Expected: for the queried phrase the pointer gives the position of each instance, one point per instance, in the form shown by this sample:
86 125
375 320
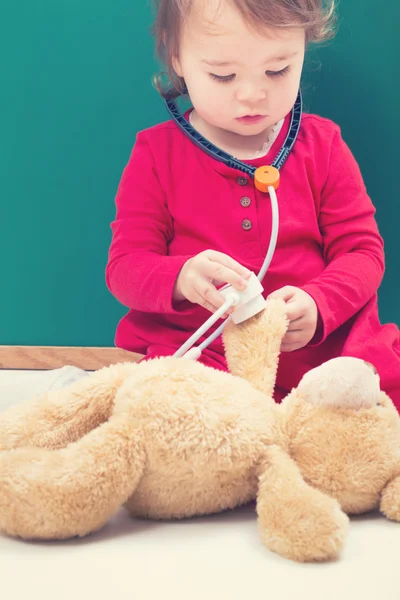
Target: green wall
75 89
356 82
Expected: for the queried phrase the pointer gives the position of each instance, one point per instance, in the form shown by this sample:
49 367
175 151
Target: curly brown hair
316 17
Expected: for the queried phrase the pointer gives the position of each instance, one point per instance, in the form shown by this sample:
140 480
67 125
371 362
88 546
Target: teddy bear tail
252 348
74 491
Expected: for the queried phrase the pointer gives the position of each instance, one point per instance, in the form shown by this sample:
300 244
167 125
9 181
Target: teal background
75 89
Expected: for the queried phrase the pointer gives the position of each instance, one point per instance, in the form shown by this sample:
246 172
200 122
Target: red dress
175 201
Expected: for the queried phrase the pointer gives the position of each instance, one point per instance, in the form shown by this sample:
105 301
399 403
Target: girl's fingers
207 296
224 260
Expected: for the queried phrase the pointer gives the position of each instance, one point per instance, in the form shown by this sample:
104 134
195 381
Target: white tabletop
218 557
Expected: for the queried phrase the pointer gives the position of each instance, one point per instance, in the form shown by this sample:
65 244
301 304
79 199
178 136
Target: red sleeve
353 247
139 272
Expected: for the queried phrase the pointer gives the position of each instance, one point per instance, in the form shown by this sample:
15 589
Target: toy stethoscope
266 180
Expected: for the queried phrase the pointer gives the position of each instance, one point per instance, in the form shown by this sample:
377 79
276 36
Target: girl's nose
251 93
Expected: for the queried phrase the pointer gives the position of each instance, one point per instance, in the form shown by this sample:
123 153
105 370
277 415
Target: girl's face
239 80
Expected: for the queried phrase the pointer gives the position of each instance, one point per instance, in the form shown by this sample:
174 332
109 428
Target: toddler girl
186 223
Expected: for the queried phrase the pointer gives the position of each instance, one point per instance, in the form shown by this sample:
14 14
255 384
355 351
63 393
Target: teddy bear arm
59 494
252 348
55 419
390 499
296 520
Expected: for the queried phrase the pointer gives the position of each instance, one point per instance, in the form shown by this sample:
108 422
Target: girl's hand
302 313
201 274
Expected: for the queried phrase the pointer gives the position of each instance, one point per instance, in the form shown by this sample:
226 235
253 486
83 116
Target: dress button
242 181
247 224
245 202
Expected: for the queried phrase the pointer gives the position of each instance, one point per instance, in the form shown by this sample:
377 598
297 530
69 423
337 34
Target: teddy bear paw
390 501
315 531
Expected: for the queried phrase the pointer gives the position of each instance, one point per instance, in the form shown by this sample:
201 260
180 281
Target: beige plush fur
172 438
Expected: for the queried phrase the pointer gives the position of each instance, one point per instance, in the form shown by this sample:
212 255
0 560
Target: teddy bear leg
60 417
295 520
390 500
252 348
60 494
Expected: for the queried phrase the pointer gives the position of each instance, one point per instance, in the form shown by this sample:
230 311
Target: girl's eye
222 78
278 73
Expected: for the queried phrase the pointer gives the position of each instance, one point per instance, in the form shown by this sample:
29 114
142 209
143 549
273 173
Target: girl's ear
176 65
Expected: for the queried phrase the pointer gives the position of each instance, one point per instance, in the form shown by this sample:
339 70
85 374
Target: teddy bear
171 438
